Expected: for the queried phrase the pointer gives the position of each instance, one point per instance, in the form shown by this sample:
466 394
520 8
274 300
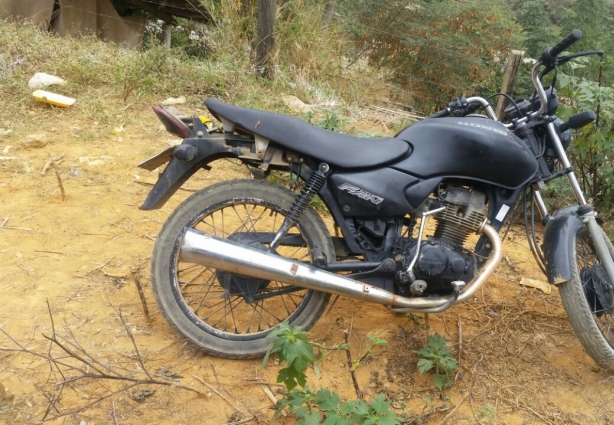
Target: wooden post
266 41
166 30
514 60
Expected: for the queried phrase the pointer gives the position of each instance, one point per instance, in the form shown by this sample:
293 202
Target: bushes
439 49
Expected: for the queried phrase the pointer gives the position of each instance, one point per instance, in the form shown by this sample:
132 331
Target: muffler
228 256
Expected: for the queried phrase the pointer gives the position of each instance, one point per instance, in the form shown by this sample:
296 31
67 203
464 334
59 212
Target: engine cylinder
464 214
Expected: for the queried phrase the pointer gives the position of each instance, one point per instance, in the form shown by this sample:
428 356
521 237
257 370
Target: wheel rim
231 306
596 286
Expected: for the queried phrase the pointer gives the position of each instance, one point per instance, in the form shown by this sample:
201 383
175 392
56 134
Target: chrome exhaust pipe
201 248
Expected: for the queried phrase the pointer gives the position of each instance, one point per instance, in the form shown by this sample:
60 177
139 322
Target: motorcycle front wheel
225 314
588 298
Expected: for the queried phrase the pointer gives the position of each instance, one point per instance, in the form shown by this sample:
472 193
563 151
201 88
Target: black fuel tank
472 147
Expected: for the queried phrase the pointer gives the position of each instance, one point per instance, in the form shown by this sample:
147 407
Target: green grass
114 85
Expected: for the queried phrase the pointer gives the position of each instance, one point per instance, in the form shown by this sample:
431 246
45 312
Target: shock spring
311 188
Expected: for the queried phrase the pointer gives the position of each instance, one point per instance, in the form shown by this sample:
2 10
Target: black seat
333 148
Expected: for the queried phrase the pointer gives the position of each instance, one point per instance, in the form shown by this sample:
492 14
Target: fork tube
575 186
540 203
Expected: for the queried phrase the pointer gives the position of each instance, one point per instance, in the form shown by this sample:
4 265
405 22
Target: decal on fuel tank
363 194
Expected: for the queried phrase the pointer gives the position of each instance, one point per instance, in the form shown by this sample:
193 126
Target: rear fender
558 243
178 171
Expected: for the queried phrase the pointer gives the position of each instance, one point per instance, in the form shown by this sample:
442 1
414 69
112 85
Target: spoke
249 325
193 266
232 314
269 312
209 282
283 301
225 302
262 309
243 223
197 275
297 250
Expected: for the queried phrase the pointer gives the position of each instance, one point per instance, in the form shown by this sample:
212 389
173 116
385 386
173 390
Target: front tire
587 298
225 314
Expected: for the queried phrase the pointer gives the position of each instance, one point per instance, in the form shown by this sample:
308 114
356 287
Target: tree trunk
329 10
266 40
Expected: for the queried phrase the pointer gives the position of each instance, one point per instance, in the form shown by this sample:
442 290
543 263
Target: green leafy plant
331 120
374 341
321 406
291 347
486 413
592 149
436 357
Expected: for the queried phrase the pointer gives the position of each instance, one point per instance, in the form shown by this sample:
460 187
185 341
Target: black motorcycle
239 257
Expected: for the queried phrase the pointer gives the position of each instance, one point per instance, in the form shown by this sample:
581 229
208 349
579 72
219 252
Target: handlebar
549 60
550 54
441 114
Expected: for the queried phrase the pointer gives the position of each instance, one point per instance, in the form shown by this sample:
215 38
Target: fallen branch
54 165
73 364
350 363
460 403
136 276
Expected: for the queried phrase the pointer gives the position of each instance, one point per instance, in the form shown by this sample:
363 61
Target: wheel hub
234 284
597 282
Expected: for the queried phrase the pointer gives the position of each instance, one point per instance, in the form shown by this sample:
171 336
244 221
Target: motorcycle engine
442 258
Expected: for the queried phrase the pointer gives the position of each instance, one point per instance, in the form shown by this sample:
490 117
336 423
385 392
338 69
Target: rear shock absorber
311 189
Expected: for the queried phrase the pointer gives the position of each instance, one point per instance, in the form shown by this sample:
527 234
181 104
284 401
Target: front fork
589 216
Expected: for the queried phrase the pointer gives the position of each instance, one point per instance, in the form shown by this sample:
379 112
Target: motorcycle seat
336 149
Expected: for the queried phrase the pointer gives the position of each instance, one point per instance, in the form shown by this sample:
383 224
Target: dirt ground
79 258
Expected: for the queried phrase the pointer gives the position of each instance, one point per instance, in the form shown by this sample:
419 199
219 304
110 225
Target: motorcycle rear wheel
584 297
225 314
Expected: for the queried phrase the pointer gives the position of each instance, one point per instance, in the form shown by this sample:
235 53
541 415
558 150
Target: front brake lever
564 59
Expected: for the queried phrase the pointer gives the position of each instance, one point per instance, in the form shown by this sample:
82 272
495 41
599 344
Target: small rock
35 141
166 372
95 162
141 394
295 104
5 132
174 142
173 101
545 287
41 80
5 395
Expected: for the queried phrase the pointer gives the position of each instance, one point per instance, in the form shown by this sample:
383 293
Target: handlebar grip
550 54
441 114
578 121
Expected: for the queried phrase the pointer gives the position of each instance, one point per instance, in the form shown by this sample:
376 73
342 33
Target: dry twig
460 403
54 165
349 357
136 276
73 364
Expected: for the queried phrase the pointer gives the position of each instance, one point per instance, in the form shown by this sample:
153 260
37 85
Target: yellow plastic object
206 121
53 98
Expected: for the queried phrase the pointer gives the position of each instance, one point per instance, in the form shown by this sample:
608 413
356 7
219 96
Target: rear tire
224 314
583 297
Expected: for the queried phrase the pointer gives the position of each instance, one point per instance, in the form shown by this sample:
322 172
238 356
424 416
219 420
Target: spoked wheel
226 314
589 300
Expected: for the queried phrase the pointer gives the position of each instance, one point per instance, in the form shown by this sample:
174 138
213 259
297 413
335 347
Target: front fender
558 243
179 171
